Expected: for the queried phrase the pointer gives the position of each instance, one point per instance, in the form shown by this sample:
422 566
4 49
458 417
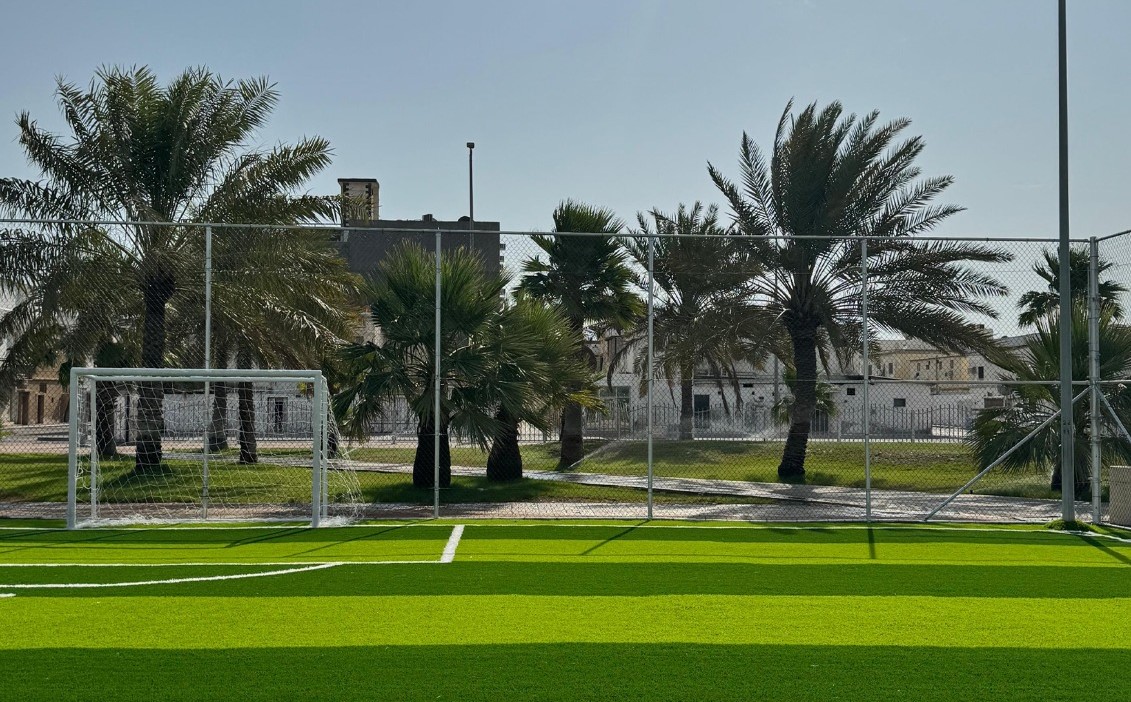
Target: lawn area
43 478
555 611
920 466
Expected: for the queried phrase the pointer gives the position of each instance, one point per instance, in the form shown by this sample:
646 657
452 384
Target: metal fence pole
651 359
73 450
436 406
207 365
1067 426
1094 372
866 375
319 462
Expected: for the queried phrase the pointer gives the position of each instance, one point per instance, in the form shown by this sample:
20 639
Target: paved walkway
809 502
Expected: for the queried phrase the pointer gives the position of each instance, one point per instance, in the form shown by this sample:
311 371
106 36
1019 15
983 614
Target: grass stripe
621 579
217 622
568 672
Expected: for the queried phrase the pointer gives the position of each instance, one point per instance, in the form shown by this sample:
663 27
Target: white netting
225 448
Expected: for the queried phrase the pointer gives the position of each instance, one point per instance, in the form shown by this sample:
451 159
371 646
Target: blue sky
624 103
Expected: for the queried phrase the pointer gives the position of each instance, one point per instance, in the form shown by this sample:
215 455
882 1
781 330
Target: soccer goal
165 445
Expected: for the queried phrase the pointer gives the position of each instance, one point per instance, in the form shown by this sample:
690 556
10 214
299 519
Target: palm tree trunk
157 289
424 463
218 424
105 439
249 452
573 443
572 426
505 460
804 338
687 403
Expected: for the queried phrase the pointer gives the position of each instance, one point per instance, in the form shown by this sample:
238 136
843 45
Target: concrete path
809 502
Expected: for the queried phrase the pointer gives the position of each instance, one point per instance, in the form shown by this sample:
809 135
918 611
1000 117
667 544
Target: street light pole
1067 426
471 194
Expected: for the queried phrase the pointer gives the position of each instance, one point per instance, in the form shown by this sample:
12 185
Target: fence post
436 399
651 359
867 373
207 366
1094 372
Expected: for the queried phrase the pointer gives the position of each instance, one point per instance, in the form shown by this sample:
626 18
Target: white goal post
189 445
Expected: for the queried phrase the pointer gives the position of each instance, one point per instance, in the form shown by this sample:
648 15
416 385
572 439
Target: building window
891 369
899 402
952 364
850 392
981 372
918 367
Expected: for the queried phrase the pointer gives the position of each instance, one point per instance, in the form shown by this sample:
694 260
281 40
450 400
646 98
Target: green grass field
564 611
926 467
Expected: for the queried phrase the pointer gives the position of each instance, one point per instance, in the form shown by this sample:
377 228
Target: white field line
449 554
170 581
218 564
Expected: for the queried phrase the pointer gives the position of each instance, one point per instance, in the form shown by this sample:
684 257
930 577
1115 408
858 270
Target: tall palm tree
998 429
66 315
831 181
541 360
401 364
281 298
588 277
147 154
701 314
1035 304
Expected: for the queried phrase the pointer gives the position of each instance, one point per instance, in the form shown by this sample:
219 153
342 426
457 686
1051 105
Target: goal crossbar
80 378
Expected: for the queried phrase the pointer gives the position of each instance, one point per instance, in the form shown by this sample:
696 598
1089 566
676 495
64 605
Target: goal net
194 445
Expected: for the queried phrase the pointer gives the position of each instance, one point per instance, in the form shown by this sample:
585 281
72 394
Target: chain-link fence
667 371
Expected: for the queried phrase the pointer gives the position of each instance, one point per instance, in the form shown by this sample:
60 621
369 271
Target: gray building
365 246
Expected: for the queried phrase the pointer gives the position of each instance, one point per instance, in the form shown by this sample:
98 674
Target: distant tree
831 180
702 314
1036 304
998 429
589 279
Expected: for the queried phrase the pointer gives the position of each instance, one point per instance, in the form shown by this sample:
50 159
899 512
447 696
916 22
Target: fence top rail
457 230
188 374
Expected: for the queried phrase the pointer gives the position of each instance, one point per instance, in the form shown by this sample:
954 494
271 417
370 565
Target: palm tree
831 181
541 359
999 429
588 278
1035 304
57 319
142 153
402 363
701 314
281 298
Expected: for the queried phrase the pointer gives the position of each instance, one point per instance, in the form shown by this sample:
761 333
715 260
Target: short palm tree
998 429
702 315
1036 304
831 181
140 152
401 364
541 360
588 278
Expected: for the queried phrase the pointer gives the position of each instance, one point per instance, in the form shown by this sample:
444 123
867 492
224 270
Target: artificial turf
570 612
